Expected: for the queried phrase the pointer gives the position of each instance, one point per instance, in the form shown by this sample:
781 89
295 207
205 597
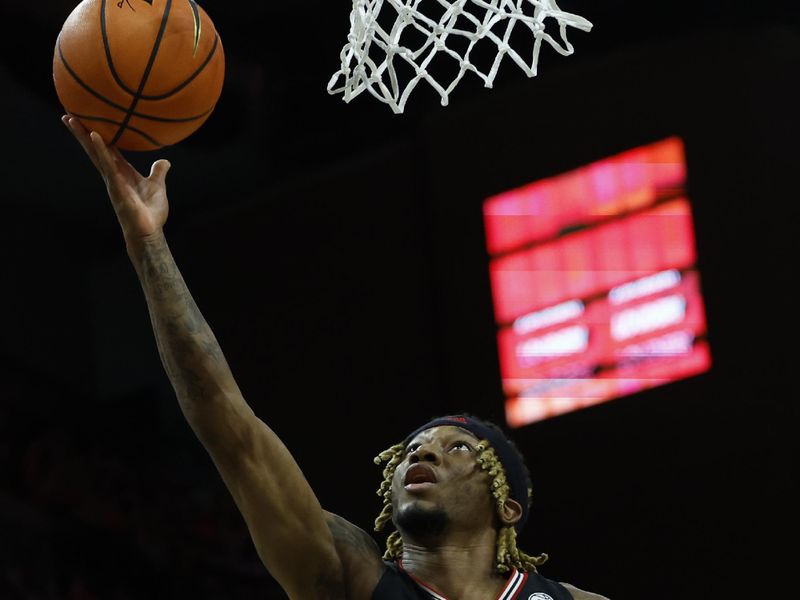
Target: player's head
457 471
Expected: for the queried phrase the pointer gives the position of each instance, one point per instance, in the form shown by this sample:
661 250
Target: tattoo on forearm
189 351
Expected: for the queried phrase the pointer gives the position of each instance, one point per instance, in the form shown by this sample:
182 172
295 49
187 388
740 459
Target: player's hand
139 202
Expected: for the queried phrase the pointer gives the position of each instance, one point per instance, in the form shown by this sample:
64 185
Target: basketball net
445 30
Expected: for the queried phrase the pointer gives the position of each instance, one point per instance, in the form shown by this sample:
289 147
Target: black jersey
397 584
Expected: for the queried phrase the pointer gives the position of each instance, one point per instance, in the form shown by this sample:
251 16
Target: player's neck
462 569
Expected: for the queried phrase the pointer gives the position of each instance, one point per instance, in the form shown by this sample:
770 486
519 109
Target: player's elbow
223 423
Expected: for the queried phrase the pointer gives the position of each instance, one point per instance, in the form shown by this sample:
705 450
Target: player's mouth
419 476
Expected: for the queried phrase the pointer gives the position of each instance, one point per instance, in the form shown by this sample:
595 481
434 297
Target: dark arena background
339 253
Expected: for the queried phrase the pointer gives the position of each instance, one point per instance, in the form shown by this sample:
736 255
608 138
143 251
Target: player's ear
511 512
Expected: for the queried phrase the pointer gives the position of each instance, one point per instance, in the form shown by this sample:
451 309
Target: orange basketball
142 73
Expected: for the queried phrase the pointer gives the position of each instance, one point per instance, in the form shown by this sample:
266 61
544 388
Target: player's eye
461 446
411 448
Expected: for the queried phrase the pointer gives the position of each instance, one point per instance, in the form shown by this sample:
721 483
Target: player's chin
421 517
418 504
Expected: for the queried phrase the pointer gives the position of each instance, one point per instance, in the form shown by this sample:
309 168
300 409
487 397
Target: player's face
440 475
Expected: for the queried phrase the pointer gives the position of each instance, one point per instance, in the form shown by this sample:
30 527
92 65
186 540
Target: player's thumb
158 171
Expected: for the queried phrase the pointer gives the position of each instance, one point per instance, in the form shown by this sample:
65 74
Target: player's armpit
578 594
362 559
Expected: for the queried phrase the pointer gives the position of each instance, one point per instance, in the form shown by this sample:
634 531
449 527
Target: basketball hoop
414 36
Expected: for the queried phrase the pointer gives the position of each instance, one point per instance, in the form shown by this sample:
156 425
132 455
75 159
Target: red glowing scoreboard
595 285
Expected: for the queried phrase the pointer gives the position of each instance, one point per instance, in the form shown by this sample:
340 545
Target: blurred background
339 253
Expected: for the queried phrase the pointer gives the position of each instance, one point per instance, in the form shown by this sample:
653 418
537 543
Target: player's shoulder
578 594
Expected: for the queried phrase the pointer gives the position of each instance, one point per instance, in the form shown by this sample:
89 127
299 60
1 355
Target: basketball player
456 489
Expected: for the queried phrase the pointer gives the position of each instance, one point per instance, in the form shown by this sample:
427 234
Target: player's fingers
111 172
104 156
159 170
79 133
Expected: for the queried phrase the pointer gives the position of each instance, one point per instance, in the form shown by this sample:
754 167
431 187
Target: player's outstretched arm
293 535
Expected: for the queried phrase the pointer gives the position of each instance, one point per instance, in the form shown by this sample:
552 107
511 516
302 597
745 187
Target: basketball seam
147 70
144 134
191 78
118 79
83 84
119 107
107 47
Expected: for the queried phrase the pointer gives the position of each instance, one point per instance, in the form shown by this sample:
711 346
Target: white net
394 40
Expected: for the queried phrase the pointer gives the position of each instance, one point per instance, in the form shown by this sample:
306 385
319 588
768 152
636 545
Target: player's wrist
139 245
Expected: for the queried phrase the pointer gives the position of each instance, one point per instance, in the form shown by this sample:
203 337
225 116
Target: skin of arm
308 551
285 520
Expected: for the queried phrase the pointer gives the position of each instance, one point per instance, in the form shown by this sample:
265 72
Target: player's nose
425 453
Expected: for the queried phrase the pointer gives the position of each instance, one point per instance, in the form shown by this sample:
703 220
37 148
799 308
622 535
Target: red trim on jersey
520 586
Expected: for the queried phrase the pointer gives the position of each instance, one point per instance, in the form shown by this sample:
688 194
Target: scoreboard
595 285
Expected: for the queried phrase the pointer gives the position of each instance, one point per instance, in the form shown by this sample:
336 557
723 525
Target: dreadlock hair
507 553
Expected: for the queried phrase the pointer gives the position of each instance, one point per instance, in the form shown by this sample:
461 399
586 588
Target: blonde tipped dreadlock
392 457
508 555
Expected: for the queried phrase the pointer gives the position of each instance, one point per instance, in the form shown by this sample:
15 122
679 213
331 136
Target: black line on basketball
85 85
191 78
119 107
171 119
147 70
144 134
107 47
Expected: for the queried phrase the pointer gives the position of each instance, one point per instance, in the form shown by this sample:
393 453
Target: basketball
144 74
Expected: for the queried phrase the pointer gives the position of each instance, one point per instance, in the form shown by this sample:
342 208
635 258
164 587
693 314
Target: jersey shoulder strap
396 584
540 588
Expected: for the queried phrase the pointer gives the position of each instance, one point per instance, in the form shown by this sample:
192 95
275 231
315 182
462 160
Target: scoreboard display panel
595 284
